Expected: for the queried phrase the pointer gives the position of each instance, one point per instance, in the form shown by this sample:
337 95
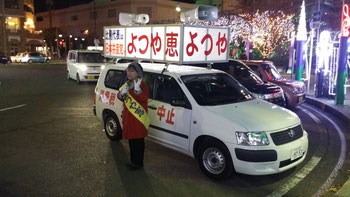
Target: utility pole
95 16
4 25
49 4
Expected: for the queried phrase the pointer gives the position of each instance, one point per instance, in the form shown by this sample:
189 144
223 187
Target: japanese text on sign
168 43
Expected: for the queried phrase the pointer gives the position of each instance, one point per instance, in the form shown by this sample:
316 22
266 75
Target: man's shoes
134 167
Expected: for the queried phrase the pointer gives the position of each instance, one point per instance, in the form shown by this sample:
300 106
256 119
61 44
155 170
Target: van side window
148 78
72 56
168 89
112 79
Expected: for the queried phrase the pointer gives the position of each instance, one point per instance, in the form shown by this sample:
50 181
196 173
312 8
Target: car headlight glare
252 138
83 67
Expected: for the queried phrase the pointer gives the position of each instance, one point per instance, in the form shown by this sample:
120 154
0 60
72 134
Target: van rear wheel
112 127
215 160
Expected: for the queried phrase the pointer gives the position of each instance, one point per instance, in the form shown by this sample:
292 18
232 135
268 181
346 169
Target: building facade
17 31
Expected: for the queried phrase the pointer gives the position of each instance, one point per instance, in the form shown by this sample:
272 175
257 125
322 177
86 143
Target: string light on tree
267 30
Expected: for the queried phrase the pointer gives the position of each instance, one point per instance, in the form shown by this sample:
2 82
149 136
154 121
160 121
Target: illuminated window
29 24
12 24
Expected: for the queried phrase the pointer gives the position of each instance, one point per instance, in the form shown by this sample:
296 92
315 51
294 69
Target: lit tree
239 27
266 30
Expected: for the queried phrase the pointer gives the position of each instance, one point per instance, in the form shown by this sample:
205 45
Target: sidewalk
60 61
340 111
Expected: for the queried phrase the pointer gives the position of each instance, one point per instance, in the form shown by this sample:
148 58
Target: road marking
302 173
292 182
14 107
341 158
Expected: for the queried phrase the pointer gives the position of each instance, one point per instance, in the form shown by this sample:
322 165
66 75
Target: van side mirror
178 102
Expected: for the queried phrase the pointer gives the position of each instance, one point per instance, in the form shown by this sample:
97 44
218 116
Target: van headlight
263 96
252 138
83 67
102 67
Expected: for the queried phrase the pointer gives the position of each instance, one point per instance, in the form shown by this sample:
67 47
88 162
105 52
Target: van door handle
152 107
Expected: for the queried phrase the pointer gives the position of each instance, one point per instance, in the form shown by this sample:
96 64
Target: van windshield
215 89
90 58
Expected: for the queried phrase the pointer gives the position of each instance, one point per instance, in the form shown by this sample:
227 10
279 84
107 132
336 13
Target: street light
70 36
178 7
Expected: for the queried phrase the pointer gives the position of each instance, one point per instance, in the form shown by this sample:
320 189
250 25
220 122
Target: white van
208 115
84 65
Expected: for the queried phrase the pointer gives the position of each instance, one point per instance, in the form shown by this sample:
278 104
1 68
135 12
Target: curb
345 189
328 108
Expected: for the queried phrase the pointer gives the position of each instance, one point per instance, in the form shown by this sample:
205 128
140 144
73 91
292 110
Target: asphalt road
51 144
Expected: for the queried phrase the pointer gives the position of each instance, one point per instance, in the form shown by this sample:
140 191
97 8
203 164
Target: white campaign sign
193 49
168 43
172 47
158 37
138 41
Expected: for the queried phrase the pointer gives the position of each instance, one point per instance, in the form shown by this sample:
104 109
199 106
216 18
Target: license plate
91 77
300 99
296 153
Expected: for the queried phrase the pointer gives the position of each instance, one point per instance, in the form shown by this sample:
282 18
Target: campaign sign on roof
168 43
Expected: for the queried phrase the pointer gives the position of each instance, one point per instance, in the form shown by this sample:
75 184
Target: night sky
40 5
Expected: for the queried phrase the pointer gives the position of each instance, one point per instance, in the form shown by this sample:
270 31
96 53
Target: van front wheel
215 160
78 79
112 127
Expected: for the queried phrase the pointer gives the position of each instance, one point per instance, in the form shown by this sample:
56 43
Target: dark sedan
243 74
4 59
294 91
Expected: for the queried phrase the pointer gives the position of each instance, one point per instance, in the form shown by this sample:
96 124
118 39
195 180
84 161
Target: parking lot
52 145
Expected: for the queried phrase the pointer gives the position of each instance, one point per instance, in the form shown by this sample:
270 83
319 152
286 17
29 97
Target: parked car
17 58
32 57
4 59
84 65
244 75
294 91
208 115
